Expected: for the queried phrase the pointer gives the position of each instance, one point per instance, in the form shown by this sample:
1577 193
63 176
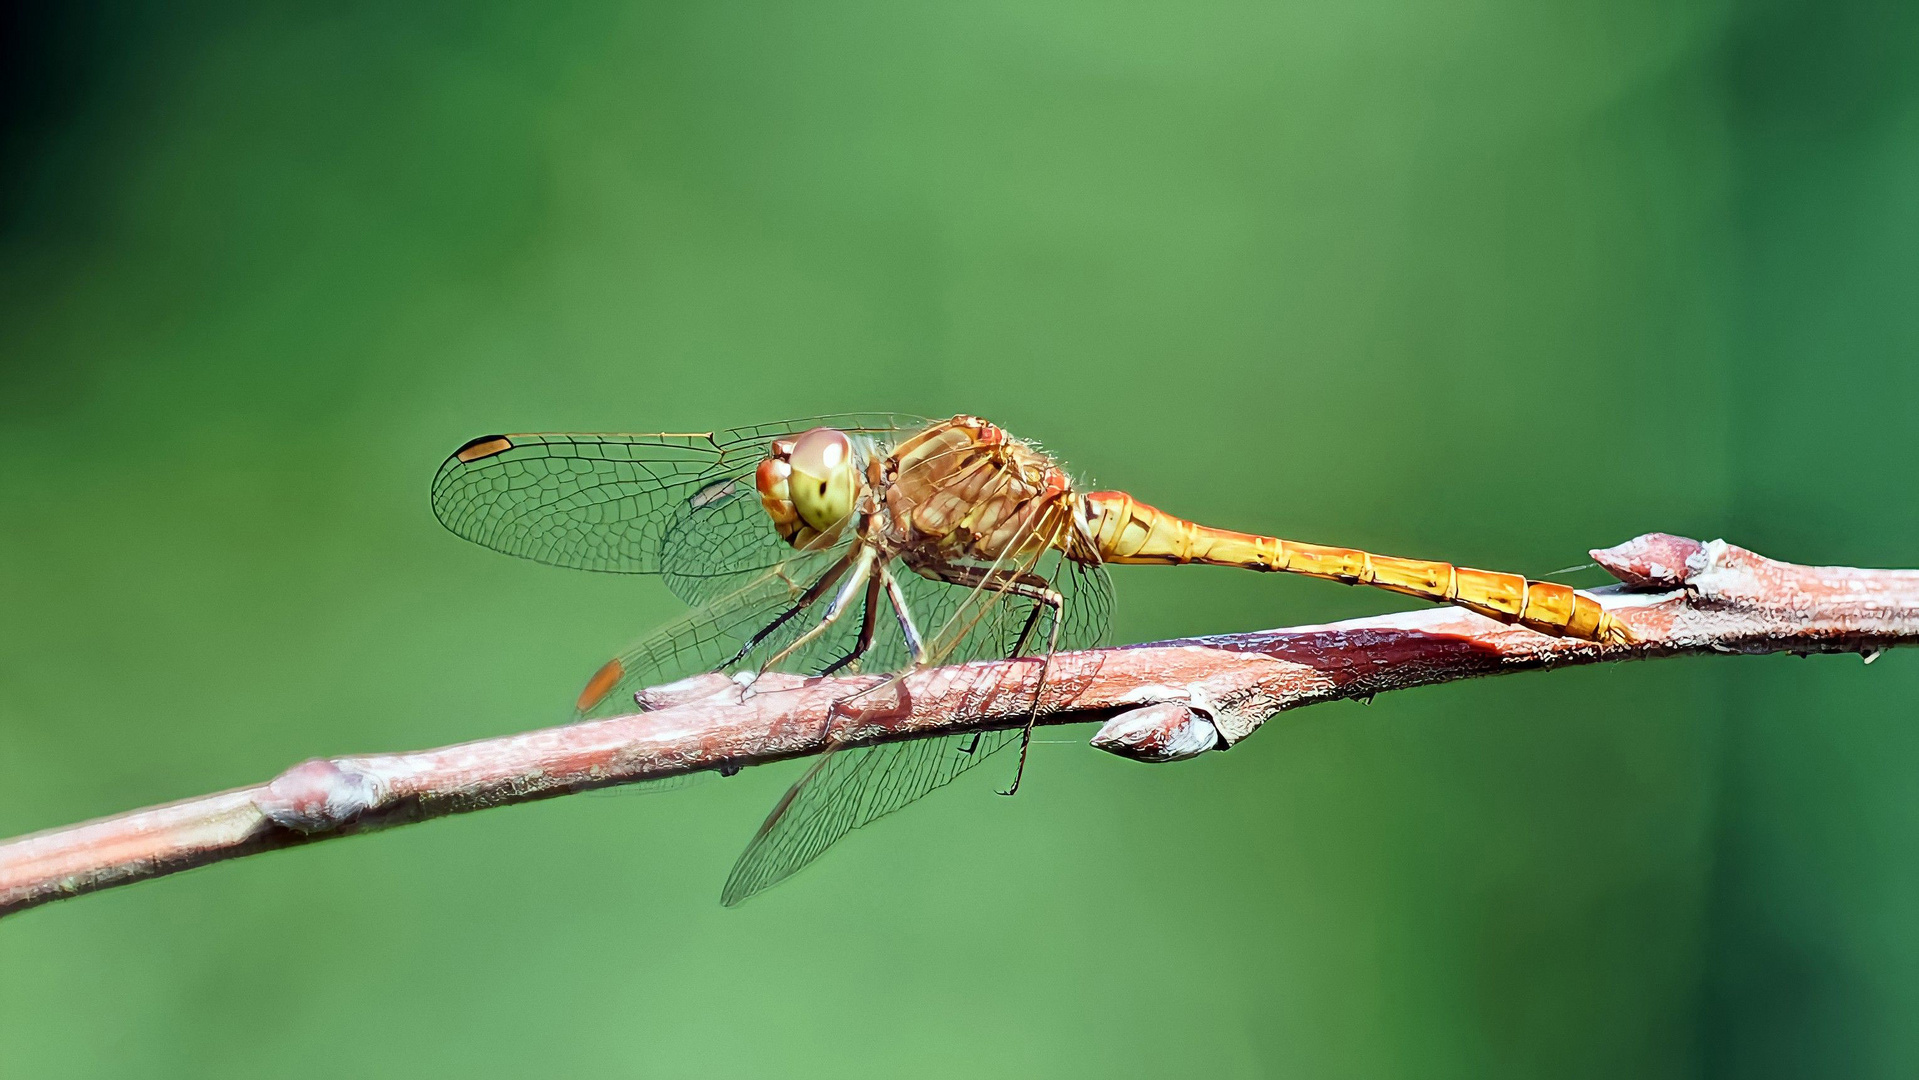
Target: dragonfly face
810 486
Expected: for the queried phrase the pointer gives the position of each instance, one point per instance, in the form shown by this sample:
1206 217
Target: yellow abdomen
1127 531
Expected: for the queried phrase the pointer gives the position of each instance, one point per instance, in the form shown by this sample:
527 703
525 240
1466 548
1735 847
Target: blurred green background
1492 281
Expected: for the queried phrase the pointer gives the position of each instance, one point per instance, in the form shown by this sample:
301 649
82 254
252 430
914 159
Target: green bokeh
1493 281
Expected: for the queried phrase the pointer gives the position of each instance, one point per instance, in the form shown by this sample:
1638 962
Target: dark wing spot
602 681
483 447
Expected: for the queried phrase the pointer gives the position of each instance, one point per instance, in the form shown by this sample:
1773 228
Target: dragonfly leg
861 569
870 612
813 592
1053 602
1026 632
1045 599
968 576
915 647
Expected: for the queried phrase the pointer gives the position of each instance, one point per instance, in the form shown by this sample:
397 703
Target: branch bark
1161 702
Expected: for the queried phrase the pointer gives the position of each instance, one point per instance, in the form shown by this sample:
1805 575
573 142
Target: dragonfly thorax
965 489
960 489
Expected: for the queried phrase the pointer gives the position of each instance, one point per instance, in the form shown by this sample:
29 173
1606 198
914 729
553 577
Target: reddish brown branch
1162 702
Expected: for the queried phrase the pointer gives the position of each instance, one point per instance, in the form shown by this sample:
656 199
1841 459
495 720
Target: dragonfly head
810 484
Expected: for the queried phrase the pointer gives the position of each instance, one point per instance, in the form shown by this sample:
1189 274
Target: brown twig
1162 702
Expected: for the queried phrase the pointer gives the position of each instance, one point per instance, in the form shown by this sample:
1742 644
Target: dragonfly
878 542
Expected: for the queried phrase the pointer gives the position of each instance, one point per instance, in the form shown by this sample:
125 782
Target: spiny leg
1036 588
870 609
915 648
862 568
976 578
813 592
915 645
1056 604
842 792
1026 632
1019 648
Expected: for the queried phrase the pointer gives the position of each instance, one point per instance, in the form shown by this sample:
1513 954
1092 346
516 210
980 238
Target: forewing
593 502
879 424
611 502
720 535
722 531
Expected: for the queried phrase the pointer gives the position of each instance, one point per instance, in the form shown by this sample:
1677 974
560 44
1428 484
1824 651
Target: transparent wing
699 641
986 623
856 786
714 635
709 636
713 535
633 504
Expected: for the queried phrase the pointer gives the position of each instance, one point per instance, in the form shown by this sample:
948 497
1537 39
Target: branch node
1654 560
1165 731
319 795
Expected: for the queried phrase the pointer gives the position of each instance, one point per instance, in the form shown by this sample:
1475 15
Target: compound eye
821 452
824 483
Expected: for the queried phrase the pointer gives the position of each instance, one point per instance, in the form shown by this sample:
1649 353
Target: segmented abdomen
1128 531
